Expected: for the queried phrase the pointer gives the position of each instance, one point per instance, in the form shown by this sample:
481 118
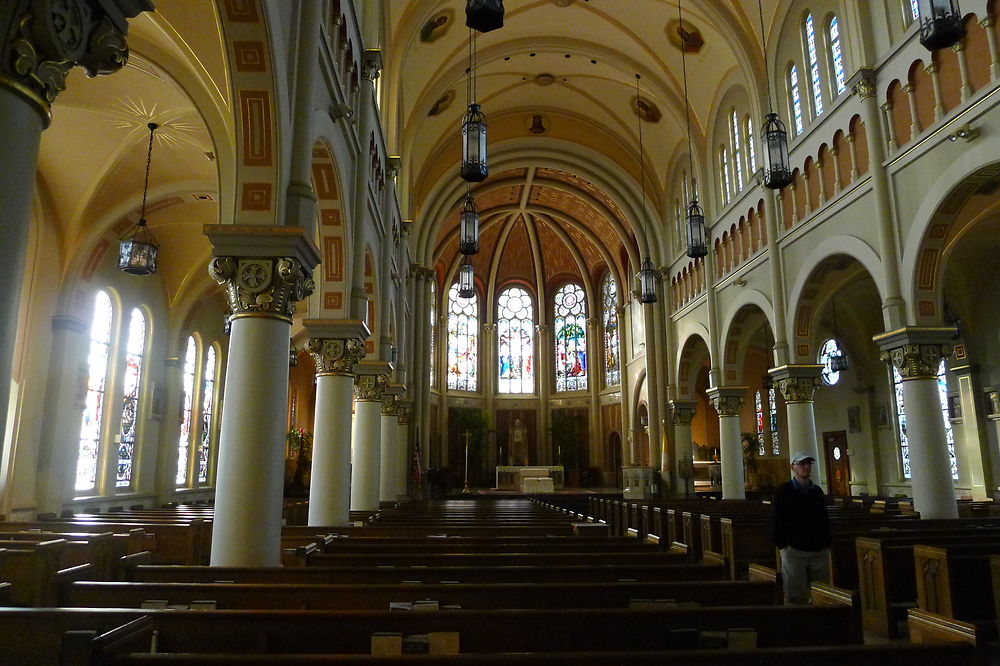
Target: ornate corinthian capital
335 355
727 400
262 286
798 383
683 411
390 405
864 85
916 352
370 387
45 39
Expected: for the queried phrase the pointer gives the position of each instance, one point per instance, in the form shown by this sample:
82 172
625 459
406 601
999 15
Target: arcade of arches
305 196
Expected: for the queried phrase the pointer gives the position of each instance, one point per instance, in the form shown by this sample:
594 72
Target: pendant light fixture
465 279
697 245
777 171
468 242
646 277
941 23
137 249
838 361
474 168
484 15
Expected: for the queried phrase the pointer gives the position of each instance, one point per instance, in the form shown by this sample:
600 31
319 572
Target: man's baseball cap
802 456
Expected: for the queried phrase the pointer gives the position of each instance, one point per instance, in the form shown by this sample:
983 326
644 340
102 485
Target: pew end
760 572
823 594
927 627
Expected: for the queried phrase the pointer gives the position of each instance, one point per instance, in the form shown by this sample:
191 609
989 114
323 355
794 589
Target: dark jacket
799 518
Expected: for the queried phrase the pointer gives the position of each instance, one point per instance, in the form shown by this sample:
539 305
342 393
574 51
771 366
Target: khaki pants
800 568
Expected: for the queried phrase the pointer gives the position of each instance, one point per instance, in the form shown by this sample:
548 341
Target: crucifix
465 489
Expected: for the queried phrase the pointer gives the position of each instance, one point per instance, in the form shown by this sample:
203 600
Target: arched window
432 329
724 174
463 340
758 404
135 349
827 351
794 98
942 383
751 145
814 75
914 9
187 407
904 442
93 412
207 415
772 408
515 342
737 150
678 224
612 341
836 55
571 338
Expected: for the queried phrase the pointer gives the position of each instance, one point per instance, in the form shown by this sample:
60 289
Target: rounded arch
332 235
693 352
730 320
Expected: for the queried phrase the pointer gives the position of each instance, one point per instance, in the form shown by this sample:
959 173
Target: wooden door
837 463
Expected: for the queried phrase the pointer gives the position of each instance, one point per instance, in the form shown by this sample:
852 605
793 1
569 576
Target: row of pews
935 580
455 581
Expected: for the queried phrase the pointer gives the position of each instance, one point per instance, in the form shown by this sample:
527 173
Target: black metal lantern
484 15
137 249
838 362
777 172
468 242
474 145
465 279
940 23
647 281
697 245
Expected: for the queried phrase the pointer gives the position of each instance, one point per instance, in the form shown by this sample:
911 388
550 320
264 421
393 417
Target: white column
403 463
366 440
915 353
389 447
797 384
336 347
248 494
727 401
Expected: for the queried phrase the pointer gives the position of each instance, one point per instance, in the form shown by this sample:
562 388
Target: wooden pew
927 627
949 580
491 559
170 542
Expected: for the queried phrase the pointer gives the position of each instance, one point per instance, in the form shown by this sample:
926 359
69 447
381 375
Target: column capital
993 396
932 68
908 88
405 411
489 326
683 411
959 46
987 22
371 64
336 346
797 382
727 400
863 84
916 351
392 399
371 381
45 40
262 286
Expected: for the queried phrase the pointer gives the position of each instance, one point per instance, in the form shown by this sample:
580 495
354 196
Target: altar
530 478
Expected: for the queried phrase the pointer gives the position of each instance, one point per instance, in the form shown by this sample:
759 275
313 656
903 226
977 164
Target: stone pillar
404 461
775 259
991 39
915 352
44 41
727 401
265 271
390 443
371 67
893 306
971 442
797 384
336 347
682 413
369 387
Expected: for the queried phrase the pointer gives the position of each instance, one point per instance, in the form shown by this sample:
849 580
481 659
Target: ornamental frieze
262 286
335 355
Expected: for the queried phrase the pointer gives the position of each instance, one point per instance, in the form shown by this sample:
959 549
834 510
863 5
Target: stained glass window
904 443
93 411
612 340
724 172
814 76
772 407
187 405
515 342
837 56
432 329
827 351
915 9
758 404
207 413
134 350
942 384
463 340
751 145
737 150
793 92
571 338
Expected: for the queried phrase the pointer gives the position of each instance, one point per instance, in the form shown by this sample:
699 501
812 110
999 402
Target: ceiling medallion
681 33
545 79
646 109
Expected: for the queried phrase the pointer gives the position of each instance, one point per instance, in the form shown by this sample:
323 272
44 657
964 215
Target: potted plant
299 445
751 453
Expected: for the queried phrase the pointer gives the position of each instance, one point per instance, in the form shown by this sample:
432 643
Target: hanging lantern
137 249
484 15
697 246
838 362
469 228
647 282
940 24
474 145
777 172
465 280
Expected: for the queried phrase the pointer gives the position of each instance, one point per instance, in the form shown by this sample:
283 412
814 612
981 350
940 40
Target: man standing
800 528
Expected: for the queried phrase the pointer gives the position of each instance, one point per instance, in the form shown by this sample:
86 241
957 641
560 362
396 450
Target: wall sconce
965 133
739 282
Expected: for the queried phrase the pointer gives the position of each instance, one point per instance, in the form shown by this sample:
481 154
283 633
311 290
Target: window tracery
570 326
515 342
463 341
